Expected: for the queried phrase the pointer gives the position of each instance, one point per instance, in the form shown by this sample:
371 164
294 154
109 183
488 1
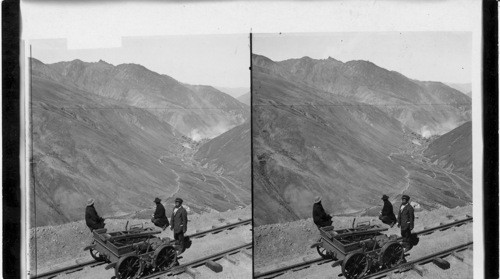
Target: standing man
159 217
179 222
387 214
320 218
93 220
405 221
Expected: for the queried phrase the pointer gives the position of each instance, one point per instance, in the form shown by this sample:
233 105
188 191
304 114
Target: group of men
405 219
178 219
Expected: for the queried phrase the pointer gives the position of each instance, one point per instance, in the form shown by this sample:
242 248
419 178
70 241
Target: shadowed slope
453 150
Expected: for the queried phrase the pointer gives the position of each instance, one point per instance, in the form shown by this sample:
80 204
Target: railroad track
436 258
67 270
93 263
220 229
320 261
188 267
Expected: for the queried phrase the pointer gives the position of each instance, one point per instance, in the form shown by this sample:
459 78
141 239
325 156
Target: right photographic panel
362 155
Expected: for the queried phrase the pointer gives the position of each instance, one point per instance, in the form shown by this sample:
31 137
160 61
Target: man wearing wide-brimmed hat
387 214
93 220
159 217
320 218
406 219
179 223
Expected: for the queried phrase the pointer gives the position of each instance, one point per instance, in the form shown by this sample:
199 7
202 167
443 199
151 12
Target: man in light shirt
406 219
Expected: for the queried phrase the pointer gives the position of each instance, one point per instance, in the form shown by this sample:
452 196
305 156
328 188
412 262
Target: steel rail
445 226
72 268
426 259
182 268
295 267
219 229
68 269
280 271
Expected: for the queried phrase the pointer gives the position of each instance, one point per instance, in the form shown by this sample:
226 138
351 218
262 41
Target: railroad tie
232 260
193 273
246 253
457 256
420 270
443 264
215 267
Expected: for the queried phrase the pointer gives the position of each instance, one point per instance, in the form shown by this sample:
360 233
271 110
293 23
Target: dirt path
407 177
178 184
229 191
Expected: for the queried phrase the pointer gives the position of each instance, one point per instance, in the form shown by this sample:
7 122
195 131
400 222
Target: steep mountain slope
309 142
453 150
425 107
184 107
229 153
245 98
231 110
82 149
87 145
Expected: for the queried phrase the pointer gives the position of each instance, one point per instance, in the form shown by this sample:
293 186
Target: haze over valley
124 135
351 132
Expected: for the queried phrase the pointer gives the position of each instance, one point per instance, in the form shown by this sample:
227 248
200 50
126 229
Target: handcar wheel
391 254
355 265
129 267
165 257
325 254
96 255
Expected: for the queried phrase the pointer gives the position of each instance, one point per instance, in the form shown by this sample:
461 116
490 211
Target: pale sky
217 60
426 56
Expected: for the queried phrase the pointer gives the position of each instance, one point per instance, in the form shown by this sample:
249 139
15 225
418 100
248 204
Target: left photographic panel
138 158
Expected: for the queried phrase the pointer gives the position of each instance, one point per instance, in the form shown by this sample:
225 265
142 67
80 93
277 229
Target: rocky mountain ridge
194 110
412 102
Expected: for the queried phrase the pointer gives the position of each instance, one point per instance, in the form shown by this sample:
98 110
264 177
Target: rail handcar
360 250
133 252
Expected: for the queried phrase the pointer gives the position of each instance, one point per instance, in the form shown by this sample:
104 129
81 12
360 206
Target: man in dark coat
93 220
159 217
387 214
406 218
321 219
179 222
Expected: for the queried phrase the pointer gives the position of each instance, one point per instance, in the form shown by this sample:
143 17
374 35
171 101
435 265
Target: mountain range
426 107
348 132
124 135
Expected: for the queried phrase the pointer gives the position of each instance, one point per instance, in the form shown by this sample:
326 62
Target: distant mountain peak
104 62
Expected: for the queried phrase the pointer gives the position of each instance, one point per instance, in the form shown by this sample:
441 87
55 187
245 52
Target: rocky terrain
59 246
124 135
280 245
351 132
